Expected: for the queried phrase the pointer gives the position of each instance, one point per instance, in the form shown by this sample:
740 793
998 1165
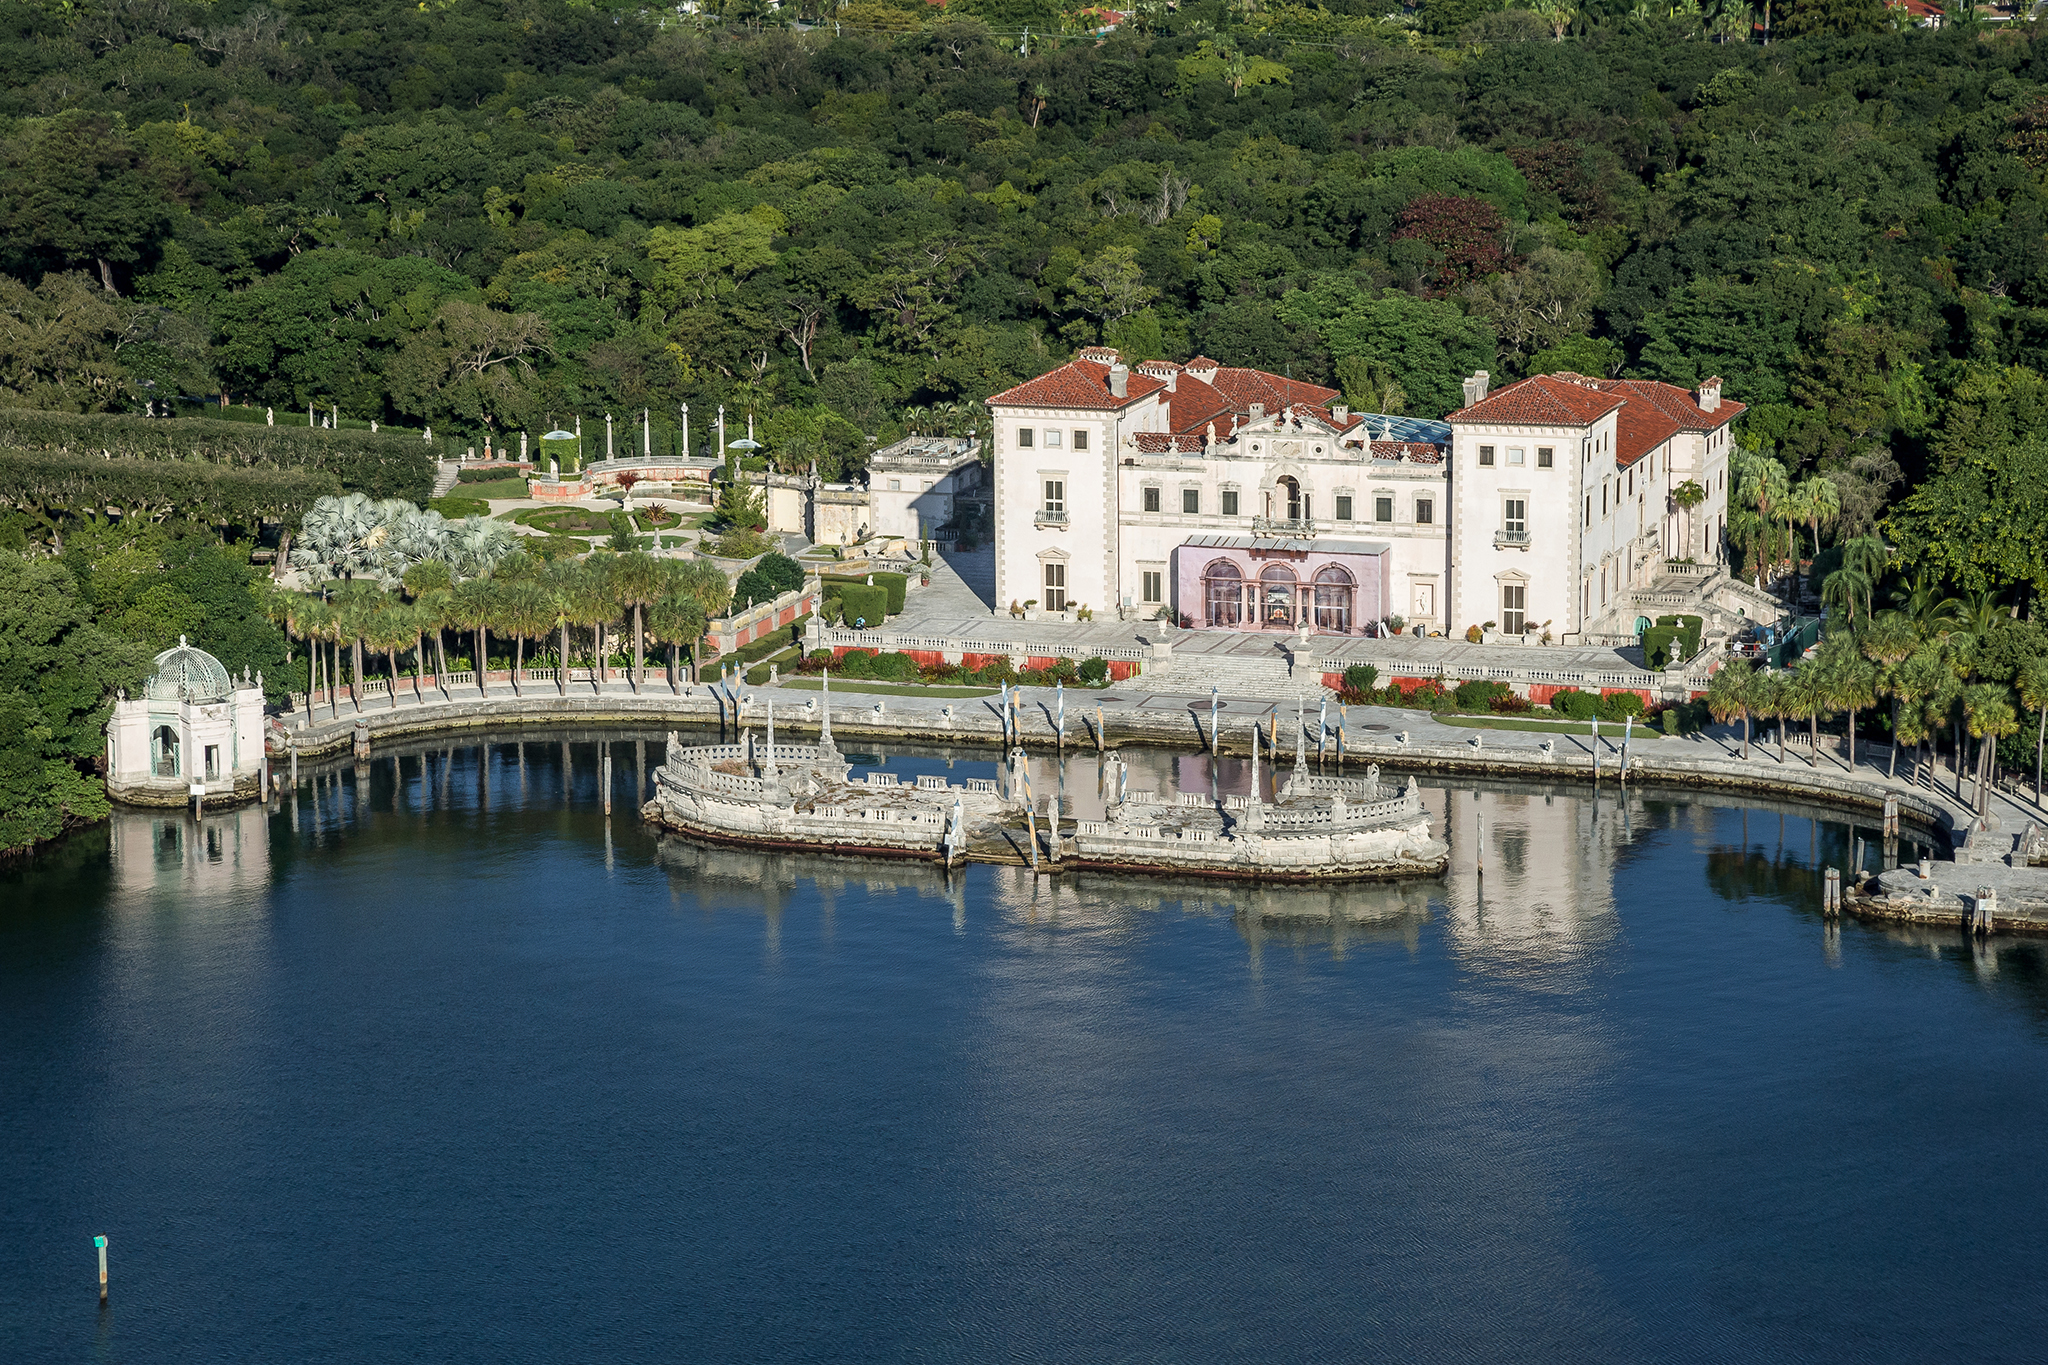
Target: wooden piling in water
101 1243
1831 892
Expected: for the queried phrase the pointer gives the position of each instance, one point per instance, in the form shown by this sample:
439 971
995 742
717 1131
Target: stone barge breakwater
803 796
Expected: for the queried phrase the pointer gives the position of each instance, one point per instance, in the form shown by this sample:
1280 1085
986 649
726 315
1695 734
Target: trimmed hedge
48 482
894 586
383 465
860 603
490 475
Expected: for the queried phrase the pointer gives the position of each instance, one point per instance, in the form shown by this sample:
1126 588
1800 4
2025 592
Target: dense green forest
493 216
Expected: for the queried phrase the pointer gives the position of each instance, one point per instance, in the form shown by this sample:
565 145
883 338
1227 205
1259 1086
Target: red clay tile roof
1077 384
1159 442
1639 428
1543 400
1245 387
1193 405
1678 404
1409 452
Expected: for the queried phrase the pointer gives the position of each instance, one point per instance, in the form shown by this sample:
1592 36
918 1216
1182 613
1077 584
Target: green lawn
1608 729
891 689
493 488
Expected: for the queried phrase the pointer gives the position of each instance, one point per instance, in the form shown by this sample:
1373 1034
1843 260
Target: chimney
1709 395
1172 381
1475 387
1119 380
1341 411
1258 412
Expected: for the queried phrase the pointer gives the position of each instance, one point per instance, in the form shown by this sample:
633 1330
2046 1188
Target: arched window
1276 596
1335 589
1290 490
1222 593
163 752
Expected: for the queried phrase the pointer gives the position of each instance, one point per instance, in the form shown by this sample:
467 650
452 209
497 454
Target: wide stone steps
445 474
1235 675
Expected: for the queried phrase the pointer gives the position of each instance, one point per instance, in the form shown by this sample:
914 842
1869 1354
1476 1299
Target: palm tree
472 606
1687 496
636 582
1809 693
1766 487
1867 557
1888 642
1913 683
2033 688
591 603
389 629
1771 697
1852 687
430 614
1820 502
560 585
526 611
354 606
1728 696
1931 610
312 618
676 620
1987 708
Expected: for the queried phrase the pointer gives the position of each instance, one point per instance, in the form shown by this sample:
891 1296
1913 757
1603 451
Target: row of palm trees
523 600
1768 499
1930 660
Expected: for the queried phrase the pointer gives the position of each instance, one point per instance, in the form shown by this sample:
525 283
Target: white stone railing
890 642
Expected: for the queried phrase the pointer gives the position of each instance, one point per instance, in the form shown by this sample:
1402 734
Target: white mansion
1236 499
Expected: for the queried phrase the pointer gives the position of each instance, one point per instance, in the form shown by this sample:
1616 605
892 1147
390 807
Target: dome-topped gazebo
194 731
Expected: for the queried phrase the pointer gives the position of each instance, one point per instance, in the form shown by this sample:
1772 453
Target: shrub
1671 720
1621 705
896 667
1359 681
1430 695
752 588
553 547
1473 635
491 475
892 586
1094 672
857 663
832 610
1508 704
996 671
1478 696
1576 704
864 606
781 572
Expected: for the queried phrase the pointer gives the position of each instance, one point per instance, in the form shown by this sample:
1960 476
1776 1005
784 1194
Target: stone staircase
1260 675
445 474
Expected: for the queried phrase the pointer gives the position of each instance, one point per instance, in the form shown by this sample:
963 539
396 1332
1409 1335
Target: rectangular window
1055 587
1056 496
1383 507
1514 516
1631 483
1230 502
1425 511
1513 596
1603 497
1545 456
212 762
1589 509
1486 455
1151 498
1154 587
1052 439
895 485
1191 501
1516 455
1080 440
1023 438
1343 507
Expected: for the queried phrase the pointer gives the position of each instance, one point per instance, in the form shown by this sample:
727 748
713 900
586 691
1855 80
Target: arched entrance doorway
1276 596
163 752
1222 593
1336 593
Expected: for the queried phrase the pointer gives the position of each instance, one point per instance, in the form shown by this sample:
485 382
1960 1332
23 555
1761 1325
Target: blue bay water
449 1070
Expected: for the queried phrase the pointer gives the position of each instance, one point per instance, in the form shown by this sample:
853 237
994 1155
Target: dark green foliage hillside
497 214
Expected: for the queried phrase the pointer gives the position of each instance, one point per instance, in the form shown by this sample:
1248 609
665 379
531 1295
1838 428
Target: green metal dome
187 673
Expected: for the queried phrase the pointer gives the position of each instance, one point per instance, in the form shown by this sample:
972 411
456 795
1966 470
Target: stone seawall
1691 763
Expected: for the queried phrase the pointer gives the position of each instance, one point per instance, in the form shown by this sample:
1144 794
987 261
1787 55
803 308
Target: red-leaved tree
1464 237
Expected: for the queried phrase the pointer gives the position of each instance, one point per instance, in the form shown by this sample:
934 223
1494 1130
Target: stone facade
194 731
